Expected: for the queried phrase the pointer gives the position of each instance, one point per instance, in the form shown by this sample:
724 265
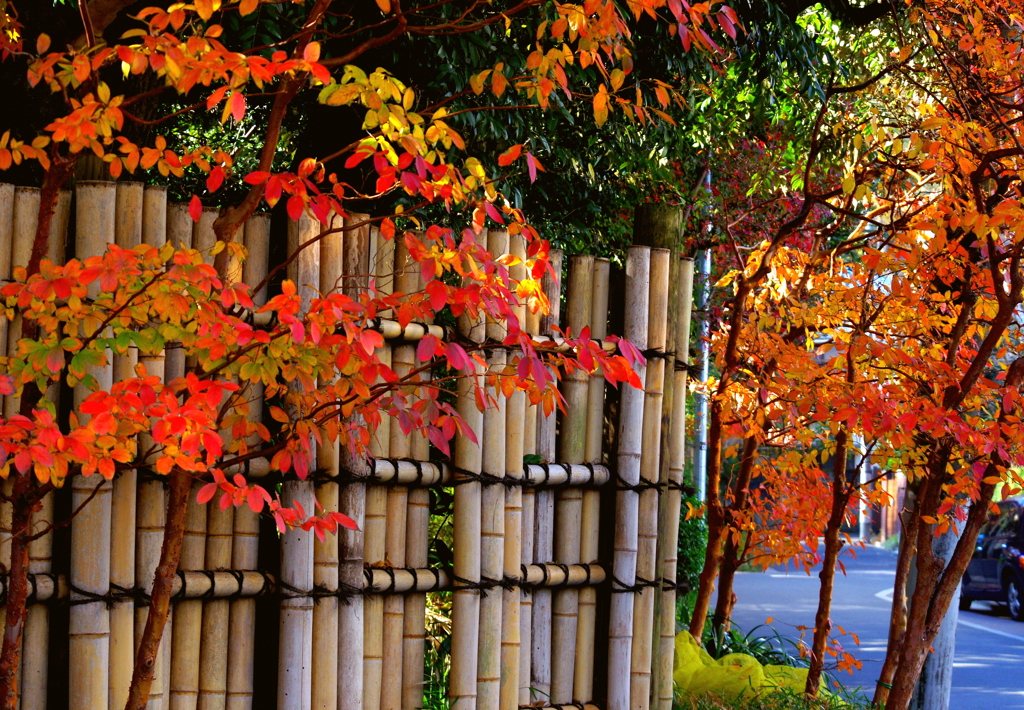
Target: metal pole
700 461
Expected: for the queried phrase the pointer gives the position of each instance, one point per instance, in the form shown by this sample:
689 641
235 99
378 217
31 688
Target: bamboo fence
537 579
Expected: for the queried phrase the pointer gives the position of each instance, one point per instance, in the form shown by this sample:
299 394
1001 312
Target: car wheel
965 602
1014 597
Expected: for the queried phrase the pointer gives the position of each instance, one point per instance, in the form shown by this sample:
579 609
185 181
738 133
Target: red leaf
238 106
531 166
257 177
295 207
510 155
216 179
206 493
195 208
438 294
344 521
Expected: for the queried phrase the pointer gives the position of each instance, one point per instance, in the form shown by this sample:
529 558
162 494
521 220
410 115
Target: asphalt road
989 662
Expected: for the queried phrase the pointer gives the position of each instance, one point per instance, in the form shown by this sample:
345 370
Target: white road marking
885 595
997 632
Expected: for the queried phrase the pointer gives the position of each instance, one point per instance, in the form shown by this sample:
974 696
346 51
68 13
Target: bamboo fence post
294 686
35 640
668 542
405 280
35 653
213 655
325 554
26 218
352 500
188 613
631 415
203 236
650 468
89 644
492 522
462 685
417 551
373 605
6 237
246 529
179 233
127 235
526 548
544 505
583 682
378 524
7 211
569 506
356 267
512 555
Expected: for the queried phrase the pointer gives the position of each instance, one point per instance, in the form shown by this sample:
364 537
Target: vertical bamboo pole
26 217
213 655
215 625
89 646
583 682
294 685
188 613
668 542
203 236
526 547
35 653
6 237
512 555
417 546
373 605
179 233
245 545
378 512
325 554
151 509
544 511
631 415
568 520
650 467
127 235
492 523
352 500
405 280
462 686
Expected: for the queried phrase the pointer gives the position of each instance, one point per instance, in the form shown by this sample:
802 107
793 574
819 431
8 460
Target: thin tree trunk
721 622
17 590
898 617
160 599
833 544
733 553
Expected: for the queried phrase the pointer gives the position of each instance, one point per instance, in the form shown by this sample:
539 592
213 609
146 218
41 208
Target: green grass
782 700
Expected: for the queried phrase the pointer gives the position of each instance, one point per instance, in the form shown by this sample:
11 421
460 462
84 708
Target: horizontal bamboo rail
243 584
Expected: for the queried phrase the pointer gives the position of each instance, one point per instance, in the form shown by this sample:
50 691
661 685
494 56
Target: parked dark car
996 571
